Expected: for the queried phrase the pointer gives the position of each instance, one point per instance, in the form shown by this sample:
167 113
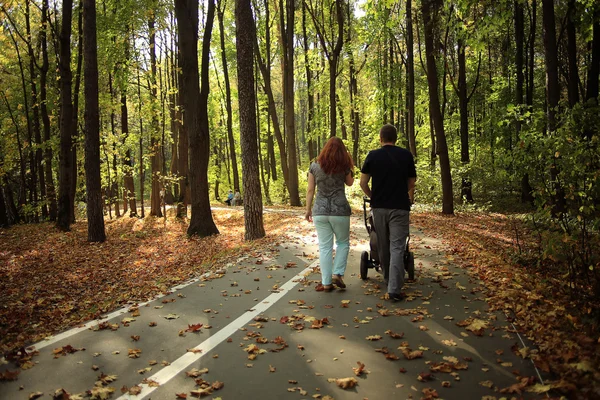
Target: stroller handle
365 201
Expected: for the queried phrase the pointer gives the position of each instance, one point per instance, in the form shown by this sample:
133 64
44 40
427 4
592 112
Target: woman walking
331 211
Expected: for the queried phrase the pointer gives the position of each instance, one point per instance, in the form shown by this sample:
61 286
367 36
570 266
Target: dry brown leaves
538 300
54 280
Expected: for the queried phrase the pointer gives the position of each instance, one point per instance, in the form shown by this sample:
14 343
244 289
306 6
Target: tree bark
253 210
552 92
93 180
3 214
48 156
35 108
288 99
410 77
591 92
75 121
526 190
266 75
155 147
66 120
195 116
463 100
430 19
231 140
309 89
573 82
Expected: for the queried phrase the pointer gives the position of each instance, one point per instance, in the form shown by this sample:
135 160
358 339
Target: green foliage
569 231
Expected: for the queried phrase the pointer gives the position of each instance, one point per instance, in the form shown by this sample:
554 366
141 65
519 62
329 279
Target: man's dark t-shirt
390 167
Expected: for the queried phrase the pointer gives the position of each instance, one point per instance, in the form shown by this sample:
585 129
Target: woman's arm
310 193
349 178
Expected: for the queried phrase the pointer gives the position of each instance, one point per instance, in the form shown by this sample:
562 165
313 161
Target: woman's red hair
334 157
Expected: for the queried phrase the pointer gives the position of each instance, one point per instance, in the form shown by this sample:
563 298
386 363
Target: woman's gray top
330 198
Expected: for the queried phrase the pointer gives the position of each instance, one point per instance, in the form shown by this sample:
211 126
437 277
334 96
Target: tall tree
410 81
430 10
594 66
265 70
195 113
331 43
155 144
66 178
287 47
552 92
519 19
48 153
573 75
312 153
253 210
230 139
93 180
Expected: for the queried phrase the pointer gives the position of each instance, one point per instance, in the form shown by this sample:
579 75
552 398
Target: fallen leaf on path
346 383
194 328
394 335
360 370
411 355
134 353
100 393
194 372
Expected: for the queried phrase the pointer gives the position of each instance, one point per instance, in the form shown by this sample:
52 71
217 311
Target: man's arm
411 189
310 193
364 184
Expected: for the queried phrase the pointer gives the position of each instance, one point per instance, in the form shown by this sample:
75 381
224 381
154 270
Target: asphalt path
258 329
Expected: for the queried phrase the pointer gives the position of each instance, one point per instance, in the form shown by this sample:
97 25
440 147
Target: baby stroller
371 259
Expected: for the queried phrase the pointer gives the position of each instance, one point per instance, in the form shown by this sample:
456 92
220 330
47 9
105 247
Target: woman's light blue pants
327 226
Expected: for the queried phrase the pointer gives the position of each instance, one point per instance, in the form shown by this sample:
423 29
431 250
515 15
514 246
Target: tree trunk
253 210
288 100
591 92
141 147
531 55
463 100
75 122
3 214
429 10
573 81
195 116
35 108
32 181
50 189
155 147
526 190
266 75
232 153
552 92
66 118
92 126
309 89
410 76
114 185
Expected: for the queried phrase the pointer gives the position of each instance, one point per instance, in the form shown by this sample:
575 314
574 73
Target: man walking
393 171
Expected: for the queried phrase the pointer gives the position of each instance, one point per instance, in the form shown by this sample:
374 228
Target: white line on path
114 314
169 372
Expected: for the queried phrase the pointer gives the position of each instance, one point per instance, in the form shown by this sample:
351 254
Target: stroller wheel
409 263
364 265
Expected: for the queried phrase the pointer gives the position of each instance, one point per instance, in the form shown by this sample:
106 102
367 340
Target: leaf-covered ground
537 300
50 280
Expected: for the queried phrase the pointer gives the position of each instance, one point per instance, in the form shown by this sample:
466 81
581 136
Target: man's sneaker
394 297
